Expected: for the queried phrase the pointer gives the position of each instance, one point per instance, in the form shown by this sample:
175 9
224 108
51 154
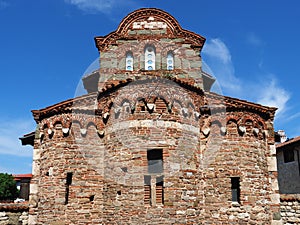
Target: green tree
8 187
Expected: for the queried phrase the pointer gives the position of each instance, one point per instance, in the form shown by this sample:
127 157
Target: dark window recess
92 197
235 189
147 190
124 169
68 183
143 108
288 155
69 178
160 190
155 160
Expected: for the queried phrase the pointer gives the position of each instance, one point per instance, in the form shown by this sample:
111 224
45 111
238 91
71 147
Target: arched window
170 61
150 58
129 61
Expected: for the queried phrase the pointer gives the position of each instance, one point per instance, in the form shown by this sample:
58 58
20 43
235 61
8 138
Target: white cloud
266 91
218 58
294 116
271 94
10 132
103 6
93 6
217 49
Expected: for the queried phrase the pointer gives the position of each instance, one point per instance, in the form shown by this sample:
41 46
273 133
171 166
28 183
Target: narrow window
149 58
129 61
235 189
288 155
170 61
68 183
154 180
155 161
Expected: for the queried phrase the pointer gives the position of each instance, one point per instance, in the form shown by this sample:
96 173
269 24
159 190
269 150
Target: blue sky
251 48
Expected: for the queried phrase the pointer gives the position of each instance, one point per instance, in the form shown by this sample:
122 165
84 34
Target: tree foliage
8 187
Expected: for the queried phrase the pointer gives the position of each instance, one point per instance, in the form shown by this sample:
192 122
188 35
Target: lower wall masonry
18 214
11 214
290 208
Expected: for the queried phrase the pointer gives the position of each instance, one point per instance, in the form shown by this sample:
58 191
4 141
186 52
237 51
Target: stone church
150 143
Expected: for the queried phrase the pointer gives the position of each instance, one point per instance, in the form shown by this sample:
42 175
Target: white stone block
32 220
275 198
33 188
272 163
272 149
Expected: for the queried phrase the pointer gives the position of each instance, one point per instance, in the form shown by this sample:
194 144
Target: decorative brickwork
153 146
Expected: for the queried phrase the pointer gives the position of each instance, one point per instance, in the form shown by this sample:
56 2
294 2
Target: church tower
150 143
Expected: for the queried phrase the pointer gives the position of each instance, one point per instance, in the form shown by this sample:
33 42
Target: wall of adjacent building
288 172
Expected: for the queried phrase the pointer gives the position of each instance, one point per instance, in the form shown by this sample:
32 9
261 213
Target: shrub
8 187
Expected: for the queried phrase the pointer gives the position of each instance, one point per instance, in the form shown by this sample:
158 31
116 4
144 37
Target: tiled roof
21 176
290 141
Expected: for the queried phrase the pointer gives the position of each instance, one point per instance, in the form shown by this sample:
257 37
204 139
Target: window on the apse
129 61
149 58
170 61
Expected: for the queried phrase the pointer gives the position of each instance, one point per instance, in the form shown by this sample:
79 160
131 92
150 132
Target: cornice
235 104
66 106
85 104
176 31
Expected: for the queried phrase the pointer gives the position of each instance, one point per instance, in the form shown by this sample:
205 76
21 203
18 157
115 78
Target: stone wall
290 208
13 214
187 62
107 156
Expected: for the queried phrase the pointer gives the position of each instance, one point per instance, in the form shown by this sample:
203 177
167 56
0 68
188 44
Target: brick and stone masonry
149 143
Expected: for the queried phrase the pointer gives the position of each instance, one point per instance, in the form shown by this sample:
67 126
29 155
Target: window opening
155 161
170 61
154 180
288 155
149 58
68 183
92 197
129 61
235 189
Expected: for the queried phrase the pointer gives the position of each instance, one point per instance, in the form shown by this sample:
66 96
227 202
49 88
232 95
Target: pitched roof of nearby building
289 142
22 176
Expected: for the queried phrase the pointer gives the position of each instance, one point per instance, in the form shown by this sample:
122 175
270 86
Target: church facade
150 143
